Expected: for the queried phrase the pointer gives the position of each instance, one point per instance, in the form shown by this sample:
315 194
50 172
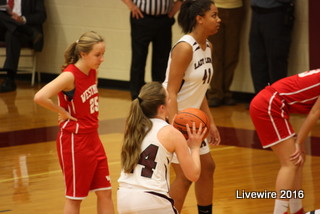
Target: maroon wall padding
314 33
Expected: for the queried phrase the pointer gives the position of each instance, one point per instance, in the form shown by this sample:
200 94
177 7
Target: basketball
313 212
188 116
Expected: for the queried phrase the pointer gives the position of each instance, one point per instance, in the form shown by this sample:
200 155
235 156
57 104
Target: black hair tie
140 100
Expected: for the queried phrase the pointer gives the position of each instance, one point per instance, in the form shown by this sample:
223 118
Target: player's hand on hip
65 116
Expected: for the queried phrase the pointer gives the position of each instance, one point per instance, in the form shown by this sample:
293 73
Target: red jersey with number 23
83 105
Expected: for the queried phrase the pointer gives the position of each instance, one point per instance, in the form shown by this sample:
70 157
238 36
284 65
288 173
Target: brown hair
84 44
138 123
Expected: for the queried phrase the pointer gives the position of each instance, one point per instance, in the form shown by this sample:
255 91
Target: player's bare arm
181 57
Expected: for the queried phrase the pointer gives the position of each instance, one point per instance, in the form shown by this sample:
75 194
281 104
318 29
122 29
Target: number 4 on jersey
147 159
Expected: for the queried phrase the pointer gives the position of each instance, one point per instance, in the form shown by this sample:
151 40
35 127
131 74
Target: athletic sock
280 207
205 209
301 211
295 205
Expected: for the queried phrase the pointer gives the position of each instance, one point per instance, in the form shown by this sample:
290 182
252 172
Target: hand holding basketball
195 135
188 117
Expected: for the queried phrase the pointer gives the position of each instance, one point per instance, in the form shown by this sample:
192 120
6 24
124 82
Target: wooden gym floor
31 180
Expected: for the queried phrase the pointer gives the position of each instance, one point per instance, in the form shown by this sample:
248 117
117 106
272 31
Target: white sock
280 207
295 205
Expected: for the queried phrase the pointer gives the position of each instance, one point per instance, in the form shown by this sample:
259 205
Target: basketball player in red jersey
81 153
270 111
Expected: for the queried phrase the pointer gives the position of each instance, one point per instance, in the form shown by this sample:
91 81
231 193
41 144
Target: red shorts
83 162
270 117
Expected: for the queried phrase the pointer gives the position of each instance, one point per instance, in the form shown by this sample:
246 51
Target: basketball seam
195 116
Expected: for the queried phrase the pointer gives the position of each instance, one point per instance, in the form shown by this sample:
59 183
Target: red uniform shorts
83 162
270 117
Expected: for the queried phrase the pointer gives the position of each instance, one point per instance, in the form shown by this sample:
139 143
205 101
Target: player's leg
101 182
204 185
64 148
104 202
72 206
179 187
295 204
287 175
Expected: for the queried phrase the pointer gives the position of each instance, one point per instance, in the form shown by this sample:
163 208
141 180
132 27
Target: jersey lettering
202 62
92 90
147 159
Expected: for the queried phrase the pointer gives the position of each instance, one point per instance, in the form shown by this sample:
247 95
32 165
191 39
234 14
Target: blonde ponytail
138 123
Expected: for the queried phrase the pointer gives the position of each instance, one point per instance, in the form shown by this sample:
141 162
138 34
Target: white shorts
204 149
133 201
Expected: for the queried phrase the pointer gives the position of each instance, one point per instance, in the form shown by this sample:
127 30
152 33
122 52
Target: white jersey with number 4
197 76
152 171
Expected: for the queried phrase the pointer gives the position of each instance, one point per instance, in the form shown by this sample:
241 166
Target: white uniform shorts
133 201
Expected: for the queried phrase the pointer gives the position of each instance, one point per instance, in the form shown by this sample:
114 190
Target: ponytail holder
140 100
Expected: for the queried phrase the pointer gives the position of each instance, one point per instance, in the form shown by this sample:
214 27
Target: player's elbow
38 98
194 176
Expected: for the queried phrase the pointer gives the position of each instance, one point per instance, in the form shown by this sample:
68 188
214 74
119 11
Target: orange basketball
188 116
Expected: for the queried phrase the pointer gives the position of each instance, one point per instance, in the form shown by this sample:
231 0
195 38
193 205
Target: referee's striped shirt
154 7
